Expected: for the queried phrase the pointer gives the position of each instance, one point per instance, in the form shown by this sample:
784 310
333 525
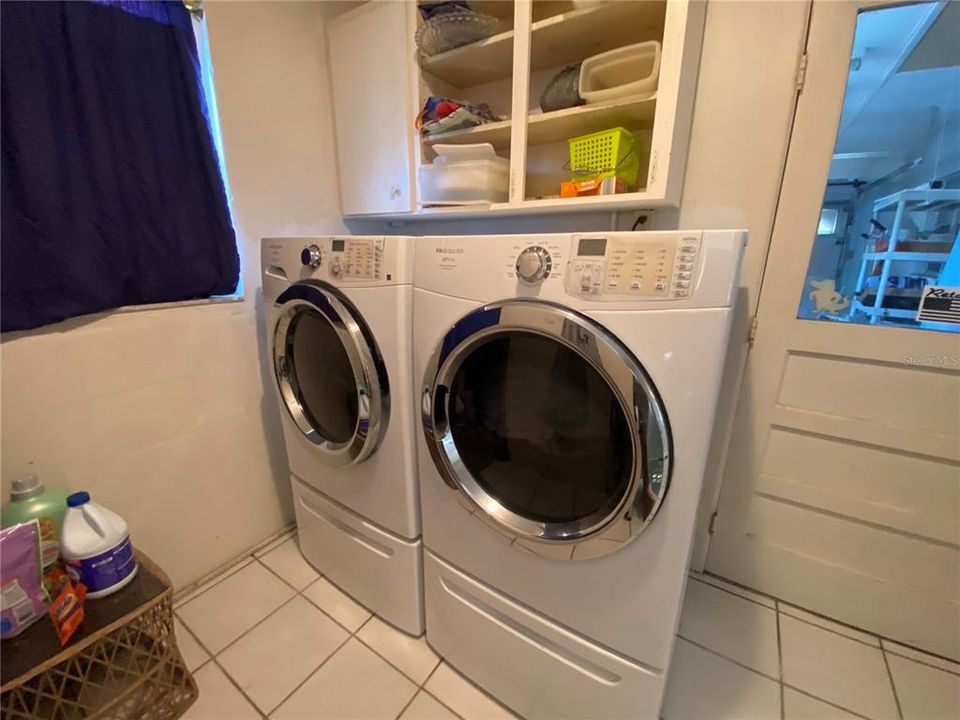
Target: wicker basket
130 668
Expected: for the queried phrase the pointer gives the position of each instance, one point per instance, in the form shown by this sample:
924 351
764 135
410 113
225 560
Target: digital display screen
338 245
592 246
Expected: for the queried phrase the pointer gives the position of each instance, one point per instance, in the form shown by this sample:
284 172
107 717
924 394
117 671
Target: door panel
842 484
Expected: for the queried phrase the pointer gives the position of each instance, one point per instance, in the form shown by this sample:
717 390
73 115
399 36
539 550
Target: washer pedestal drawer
377 568
536 667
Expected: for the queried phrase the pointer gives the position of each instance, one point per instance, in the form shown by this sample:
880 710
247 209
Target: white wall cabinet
380 80
369 63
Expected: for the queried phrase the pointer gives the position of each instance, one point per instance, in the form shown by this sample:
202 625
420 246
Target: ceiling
903 91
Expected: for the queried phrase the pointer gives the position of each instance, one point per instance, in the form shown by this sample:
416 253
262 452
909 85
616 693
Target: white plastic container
465 175
623 72
95 546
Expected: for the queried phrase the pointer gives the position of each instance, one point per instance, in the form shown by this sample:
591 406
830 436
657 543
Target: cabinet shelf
538 206
909 256
570 122
495 133
559 124
557 40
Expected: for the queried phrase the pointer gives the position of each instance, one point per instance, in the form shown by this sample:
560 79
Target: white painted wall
162 414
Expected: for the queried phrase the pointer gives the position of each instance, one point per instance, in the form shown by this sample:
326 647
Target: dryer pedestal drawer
538 668
377 568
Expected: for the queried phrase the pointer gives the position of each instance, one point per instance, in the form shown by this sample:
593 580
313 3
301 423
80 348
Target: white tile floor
271 638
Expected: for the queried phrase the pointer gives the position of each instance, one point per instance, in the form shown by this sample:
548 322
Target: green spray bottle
29 500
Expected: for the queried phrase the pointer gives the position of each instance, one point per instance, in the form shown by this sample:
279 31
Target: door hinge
713 524
752 332
802 72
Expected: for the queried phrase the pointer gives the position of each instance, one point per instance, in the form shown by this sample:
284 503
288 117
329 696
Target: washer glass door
329 372
546 423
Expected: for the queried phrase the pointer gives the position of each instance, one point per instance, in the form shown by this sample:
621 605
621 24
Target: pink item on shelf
23 600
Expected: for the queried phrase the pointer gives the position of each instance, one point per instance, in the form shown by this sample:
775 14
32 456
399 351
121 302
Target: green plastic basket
607 153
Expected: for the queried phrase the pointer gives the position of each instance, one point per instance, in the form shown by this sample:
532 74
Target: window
888 230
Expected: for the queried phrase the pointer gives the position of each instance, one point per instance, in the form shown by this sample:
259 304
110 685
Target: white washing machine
339 313
569 384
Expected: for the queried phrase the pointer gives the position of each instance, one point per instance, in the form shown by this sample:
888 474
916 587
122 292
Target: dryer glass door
329 372
545 422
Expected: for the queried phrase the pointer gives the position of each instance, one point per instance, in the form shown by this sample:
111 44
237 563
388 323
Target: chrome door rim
625 377
373 394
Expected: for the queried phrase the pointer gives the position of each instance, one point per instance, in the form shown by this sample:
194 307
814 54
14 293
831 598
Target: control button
336 267
534 264
311 256
634 285
660 285
681 293
683 276
682 284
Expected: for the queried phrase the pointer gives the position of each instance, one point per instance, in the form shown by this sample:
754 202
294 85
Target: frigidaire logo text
452 251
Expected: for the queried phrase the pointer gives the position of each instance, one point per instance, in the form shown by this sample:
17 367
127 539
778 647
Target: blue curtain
111 188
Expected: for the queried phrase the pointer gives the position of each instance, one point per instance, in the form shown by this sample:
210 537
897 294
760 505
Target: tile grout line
783 707
881 641
927 663
825 701
442 703
783 683
835 632
715 581
735 594
310 675
177 620
225 571
729 659
350 636
246 632
423 687
212 657
407 704
893 685
230 678
203 589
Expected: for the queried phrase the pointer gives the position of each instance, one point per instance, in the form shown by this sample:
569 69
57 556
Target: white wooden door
842 486
370 60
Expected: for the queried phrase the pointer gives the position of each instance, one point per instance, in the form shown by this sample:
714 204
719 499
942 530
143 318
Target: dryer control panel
355 258
630 268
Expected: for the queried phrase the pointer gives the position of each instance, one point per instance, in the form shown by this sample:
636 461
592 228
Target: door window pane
539 429
321 376
887 236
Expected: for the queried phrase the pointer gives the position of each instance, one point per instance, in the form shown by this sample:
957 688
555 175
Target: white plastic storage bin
465 175
624 72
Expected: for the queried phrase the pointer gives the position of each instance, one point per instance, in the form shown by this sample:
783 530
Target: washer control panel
534 264
621 268
355 258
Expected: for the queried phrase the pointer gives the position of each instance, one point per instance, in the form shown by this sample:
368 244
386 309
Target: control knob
311 256
534 264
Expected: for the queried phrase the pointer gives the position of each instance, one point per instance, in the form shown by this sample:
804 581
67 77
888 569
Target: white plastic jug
95 546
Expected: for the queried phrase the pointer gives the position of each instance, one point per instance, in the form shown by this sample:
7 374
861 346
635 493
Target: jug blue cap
78 499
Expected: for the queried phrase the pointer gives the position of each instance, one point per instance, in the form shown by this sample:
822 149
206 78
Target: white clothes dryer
568 391
339 313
